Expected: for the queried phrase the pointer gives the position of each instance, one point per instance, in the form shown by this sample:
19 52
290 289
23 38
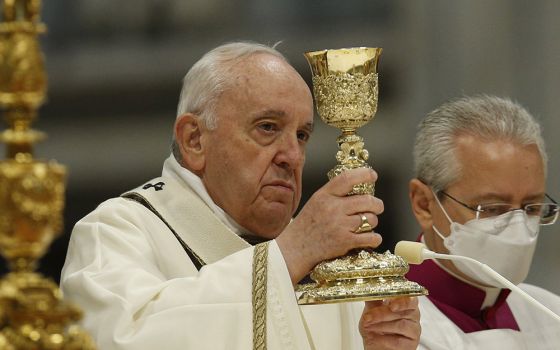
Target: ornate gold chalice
33 314
345 87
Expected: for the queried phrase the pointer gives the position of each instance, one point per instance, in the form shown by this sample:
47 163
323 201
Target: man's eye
533 209
496 209
268 127
303 136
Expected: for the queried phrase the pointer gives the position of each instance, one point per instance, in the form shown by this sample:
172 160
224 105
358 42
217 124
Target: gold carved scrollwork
32 198
39 193
23 81
352 155
346 101
27 10
33 315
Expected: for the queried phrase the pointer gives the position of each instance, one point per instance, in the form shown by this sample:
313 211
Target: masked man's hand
391 324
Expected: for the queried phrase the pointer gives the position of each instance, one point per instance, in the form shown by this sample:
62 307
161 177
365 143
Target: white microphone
416 252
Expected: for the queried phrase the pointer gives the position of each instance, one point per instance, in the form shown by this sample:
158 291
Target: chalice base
359 276
377 288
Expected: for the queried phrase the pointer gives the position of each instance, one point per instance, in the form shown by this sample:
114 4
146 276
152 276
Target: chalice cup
345 88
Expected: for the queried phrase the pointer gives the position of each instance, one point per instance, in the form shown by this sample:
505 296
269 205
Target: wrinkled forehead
263 66
499 166
264 73
262 82
259 59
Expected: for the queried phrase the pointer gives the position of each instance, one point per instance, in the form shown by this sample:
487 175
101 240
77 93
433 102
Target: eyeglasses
547 212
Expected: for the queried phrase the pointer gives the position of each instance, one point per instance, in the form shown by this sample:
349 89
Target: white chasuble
538 331
139 289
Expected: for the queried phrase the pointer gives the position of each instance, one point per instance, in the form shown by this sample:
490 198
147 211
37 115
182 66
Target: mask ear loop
438 233
444 212
441 206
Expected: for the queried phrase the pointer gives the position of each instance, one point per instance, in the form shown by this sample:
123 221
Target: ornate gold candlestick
345 87
32 312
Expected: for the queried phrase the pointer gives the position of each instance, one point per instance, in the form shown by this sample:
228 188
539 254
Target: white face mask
506 243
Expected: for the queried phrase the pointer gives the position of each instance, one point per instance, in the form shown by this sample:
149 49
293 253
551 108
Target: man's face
254 158
492 172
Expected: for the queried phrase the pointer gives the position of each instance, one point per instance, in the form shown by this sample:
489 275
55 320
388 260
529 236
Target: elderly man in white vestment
480 192
169 265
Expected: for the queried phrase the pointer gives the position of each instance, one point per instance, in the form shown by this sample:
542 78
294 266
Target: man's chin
270 224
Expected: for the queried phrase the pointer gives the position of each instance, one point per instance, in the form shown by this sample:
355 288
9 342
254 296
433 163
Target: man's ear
188 132
421 197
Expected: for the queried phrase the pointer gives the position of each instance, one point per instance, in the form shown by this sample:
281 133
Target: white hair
210 76
485 117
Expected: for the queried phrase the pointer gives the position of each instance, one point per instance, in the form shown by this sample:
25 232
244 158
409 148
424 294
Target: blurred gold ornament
345 87
32 312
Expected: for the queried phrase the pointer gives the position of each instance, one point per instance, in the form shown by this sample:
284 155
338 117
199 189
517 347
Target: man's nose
290 153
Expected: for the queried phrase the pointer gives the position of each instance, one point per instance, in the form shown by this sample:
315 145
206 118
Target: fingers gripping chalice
345 87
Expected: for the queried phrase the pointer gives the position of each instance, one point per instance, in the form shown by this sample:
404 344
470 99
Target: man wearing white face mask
479 191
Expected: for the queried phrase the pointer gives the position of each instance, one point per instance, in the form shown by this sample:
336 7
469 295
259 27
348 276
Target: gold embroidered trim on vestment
260 276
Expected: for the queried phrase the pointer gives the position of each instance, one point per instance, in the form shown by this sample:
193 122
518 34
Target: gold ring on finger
364 225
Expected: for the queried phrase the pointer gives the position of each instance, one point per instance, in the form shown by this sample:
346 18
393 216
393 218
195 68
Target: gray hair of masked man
484 117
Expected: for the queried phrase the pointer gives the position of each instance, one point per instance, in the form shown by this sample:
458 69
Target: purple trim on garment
461 302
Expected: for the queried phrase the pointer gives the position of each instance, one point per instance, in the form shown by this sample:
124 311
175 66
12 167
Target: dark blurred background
115 70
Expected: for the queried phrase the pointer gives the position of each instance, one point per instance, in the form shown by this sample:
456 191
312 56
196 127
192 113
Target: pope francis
173 264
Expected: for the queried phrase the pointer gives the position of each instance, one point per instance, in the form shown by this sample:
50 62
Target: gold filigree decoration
25 81
352 155
30 303
38 191
32 198
363 276
33 315
377 288
346 101
365 264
